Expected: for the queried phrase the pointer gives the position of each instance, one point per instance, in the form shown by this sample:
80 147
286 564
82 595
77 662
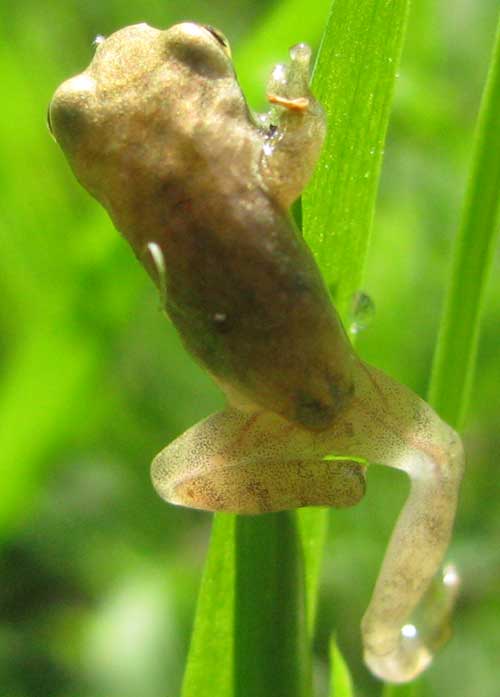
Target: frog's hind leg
240 462
254 462
392 426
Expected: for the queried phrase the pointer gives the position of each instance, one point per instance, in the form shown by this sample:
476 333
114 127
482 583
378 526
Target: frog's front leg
296 128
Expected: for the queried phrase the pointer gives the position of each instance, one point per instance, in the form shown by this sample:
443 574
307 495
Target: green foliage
411 690
250 632
340 681
354 79
474 250
99 577
369 38
213 633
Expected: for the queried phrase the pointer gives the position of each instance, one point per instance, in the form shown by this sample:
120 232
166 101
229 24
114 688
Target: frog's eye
221 39
49 123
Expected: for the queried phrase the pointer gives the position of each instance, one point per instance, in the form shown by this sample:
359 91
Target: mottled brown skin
157 129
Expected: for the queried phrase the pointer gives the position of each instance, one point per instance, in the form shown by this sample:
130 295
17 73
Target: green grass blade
272 654
370 38
409 690
210 666
453 368
54 393
354 80
455 356
340 677
313 528
250 635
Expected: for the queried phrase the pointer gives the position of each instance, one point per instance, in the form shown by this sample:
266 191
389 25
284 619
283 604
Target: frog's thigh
217 465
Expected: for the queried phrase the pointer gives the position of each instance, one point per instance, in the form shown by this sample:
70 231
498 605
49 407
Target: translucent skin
157 129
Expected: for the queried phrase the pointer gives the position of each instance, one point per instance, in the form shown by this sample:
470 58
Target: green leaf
272 655
409 690
54 393
210 666
250 635
266 564
340 677
354 80
455 357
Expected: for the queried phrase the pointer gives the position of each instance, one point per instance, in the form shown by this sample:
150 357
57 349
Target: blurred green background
98 577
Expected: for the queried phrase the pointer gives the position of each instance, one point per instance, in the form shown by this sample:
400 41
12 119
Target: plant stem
270 633
455 357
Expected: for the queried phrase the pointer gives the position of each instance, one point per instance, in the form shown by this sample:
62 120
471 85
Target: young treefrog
157 129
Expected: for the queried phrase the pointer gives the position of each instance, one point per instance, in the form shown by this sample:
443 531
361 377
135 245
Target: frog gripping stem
207 216
259 462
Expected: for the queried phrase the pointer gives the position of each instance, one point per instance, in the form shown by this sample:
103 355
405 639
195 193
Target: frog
192 176
158 130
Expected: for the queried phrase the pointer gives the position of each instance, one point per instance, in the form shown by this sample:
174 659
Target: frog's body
157 129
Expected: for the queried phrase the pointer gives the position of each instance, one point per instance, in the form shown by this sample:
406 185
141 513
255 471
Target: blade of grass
454 361
272 654
370 37
455 356
354 80
249 638
409 690
210 667
340 678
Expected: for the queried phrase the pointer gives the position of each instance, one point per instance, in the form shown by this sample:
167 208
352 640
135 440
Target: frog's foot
288 85
419 638
295 128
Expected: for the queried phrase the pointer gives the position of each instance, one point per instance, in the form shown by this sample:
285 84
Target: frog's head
145 105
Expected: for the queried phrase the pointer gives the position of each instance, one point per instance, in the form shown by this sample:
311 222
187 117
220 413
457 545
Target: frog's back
250 304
